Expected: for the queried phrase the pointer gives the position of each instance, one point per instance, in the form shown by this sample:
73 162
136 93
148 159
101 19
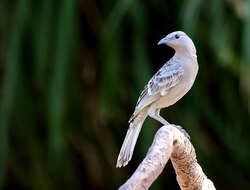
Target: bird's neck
188 51
188 61
183 54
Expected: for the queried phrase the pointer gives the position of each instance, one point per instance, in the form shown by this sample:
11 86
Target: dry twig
169 142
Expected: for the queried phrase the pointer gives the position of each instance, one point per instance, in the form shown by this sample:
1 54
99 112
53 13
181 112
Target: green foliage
71 72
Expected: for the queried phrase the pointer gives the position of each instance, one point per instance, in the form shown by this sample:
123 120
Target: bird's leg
155 114
182 130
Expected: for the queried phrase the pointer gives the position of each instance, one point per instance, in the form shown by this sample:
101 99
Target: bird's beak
163 41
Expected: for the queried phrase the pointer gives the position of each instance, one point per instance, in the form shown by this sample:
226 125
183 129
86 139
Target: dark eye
177 36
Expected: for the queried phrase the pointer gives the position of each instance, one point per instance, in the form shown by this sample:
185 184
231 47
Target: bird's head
180 42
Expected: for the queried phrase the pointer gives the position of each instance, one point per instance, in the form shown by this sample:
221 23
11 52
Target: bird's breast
179 90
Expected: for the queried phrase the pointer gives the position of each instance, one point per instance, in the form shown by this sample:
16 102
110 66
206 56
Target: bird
173 80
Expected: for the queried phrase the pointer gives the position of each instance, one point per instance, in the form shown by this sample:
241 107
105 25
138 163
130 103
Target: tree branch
169 142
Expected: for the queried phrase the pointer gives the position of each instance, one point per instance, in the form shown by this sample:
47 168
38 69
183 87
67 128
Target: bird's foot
182 130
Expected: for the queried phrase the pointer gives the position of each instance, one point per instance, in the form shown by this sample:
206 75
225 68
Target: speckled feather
167 77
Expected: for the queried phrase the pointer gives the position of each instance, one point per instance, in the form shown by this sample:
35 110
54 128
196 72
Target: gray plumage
165 88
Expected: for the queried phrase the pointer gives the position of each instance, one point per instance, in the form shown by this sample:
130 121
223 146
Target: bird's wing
167 77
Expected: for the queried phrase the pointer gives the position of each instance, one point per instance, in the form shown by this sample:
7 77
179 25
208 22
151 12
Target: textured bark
170 143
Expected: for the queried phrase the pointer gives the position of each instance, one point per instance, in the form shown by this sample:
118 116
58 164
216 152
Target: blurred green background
71 72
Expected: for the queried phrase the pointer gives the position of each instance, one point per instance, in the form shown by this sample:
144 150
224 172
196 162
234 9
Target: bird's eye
177 36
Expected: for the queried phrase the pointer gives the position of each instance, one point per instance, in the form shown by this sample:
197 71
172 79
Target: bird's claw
182 130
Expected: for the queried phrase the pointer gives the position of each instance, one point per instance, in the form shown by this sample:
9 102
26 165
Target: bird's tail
128 145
